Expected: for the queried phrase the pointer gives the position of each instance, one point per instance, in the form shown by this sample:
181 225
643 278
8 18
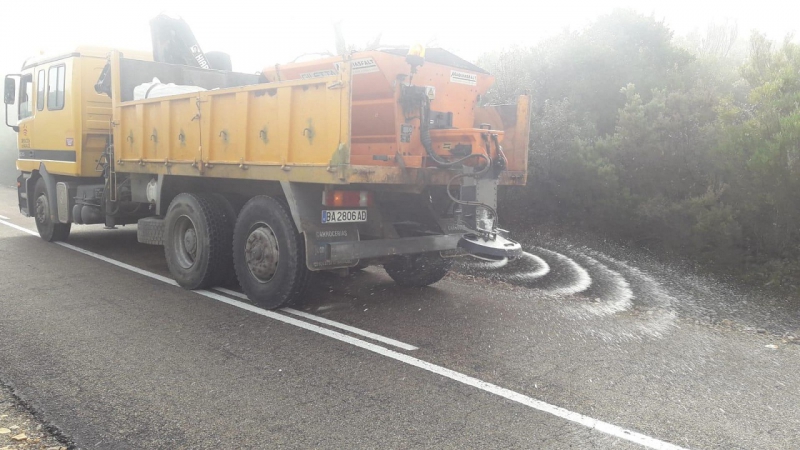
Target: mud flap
305 203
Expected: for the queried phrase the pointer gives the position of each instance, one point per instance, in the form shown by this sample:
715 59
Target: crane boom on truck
378 157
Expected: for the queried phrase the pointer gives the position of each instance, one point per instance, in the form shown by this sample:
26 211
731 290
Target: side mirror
10 91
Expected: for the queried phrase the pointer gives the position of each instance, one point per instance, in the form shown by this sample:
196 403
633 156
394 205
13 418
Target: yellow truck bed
293 131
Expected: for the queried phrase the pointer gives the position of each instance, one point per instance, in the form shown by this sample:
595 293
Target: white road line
3 218
354 330
557 411
100 257
589 422
155 276
17 227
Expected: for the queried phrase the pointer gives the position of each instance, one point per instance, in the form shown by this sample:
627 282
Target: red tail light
347 198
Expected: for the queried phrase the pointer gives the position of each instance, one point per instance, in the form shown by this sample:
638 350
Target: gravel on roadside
19 429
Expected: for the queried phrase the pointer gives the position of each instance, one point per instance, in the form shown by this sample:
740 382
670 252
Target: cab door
55 142
25 113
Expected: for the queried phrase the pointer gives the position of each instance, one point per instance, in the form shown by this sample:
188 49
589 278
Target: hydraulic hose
427 142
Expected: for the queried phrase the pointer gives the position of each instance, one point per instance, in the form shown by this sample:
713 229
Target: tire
269 254
197 240
150 230
422 269
49 231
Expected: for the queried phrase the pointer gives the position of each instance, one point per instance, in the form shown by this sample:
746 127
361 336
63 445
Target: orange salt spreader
421 109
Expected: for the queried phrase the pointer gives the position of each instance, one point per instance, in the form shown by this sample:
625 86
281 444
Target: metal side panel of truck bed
289 131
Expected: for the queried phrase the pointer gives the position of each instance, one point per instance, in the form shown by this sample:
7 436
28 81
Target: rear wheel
269 254
422 269
49 231
197 240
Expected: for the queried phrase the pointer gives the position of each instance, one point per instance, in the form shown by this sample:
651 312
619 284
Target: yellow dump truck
383 157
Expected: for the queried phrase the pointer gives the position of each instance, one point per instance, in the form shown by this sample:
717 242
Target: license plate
344 215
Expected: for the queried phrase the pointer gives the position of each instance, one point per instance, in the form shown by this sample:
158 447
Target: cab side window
26 96
40 91
55 87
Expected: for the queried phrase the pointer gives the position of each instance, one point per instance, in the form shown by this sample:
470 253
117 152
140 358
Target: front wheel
48 229
422 269
269 254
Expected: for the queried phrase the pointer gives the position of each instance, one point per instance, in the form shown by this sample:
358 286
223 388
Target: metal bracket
398 157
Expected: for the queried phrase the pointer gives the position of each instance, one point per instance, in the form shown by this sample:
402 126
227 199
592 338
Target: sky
262 33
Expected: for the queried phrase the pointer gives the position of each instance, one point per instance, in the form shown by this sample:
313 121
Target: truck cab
63 126
53 106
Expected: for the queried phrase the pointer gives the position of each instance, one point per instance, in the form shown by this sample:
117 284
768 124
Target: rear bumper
342 251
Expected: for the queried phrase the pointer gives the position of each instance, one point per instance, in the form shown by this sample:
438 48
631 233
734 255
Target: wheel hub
185 242
42 209
190 241
262 253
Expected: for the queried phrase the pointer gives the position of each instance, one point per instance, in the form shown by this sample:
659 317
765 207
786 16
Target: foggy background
257 34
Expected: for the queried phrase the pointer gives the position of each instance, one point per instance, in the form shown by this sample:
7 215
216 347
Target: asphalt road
568 348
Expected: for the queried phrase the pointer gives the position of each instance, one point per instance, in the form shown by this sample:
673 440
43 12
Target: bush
637 138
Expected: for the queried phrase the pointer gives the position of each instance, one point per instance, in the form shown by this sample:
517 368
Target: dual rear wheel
207 245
